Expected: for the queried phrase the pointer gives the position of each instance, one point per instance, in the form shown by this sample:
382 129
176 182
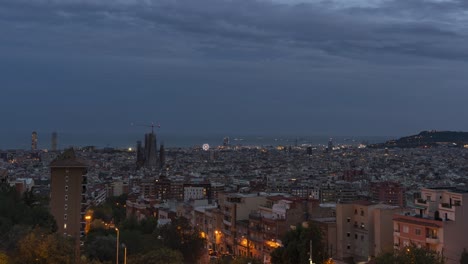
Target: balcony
432 240
421 201
446 207
255 216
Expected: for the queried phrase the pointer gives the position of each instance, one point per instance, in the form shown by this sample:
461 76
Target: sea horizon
177 140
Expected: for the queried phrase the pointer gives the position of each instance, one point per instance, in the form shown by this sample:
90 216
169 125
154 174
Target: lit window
405 229
65 226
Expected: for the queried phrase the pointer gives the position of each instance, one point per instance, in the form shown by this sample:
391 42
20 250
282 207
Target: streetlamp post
117 247
125 253
310 253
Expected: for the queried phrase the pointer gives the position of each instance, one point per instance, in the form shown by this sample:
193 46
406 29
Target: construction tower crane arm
146 125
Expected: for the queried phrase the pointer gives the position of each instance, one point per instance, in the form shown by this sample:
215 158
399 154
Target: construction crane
146 125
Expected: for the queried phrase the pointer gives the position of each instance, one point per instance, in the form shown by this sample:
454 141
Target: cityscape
244 202
233 132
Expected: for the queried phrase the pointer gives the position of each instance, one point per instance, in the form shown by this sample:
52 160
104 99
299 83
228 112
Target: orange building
439 221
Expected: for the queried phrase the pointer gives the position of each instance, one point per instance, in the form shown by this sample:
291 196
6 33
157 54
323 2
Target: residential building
361 229
68 193
438 222
388 192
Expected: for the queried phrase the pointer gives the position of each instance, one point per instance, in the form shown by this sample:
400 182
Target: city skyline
280 67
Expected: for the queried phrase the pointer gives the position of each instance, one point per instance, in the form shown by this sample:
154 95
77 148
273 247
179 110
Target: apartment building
235 207
363 229
438 222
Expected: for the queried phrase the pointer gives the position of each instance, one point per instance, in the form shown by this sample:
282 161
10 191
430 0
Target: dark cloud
330 67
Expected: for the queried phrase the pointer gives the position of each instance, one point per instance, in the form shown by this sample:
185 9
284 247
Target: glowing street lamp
117 250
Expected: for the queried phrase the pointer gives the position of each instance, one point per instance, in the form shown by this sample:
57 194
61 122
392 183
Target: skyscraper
68 201
151 158
34 140
162 155
140 151
53 146
330 144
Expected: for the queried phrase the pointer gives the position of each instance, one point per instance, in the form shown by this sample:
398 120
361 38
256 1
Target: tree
158 256
411 254
39 246
4 259
101 248
246 260
464 257
18 215
297 245
179 235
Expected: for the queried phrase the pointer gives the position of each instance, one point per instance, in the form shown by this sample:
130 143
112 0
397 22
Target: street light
117 250
125 253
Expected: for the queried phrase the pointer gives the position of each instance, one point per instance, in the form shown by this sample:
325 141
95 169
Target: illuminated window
64 226
405 229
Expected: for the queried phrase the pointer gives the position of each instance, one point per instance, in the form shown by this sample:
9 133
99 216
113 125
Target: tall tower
162 155
34 140
68 200
53 146
330 144
151 158
140 151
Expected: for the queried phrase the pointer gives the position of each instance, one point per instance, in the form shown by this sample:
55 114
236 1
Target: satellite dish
206 147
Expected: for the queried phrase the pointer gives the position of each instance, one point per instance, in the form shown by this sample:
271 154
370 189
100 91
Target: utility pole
310 253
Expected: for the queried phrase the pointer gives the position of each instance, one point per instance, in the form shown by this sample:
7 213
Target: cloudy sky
318 67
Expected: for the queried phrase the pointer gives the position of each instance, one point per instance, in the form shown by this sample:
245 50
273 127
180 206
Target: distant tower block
53 146
140 151
34 140
226 141
151 158
162 155
330 144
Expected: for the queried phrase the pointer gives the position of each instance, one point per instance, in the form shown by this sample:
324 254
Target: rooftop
68 159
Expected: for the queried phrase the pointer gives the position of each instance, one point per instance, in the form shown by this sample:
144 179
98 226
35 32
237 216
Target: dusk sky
318 67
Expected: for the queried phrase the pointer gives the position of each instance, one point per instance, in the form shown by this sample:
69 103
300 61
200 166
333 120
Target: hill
427 139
